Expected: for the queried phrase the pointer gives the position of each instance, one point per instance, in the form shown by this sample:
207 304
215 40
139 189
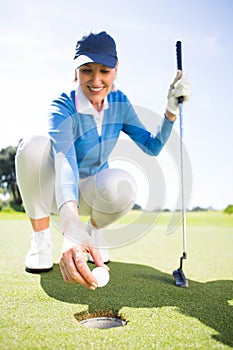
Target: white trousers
105 197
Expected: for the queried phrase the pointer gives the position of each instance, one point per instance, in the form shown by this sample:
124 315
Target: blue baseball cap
97 48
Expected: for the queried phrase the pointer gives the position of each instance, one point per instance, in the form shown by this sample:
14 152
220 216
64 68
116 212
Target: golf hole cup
102 276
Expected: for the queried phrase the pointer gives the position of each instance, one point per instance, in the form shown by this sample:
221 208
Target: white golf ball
102 276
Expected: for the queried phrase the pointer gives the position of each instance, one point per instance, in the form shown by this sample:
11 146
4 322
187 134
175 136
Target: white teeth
96 89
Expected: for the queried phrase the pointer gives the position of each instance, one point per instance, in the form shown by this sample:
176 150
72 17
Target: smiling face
96 82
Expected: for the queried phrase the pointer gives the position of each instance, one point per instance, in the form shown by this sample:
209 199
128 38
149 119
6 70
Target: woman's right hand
76 243
74 268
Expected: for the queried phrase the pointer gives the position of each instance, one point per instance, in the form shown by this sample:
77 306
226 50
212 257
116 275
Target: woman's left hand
182 88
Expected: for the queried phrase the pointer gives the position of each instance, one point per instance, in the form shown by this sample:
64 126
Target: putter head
180 278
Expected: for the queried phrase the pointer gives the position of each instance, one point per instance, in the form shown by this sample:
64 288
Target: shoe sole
29 270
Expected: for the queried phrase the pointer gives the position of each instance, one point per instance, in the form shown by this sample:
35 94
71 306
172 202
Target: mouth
95 89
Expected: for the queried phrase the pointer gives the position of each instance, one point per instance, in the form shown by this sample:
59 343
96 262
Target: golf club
178 274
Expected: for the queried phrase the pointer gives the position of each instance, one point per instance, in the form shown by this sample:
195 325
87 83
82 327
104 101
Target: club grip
179 55
179 63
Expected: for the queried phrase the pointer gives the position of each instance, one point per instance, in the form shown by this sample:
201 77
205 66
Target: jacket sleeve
60 120
149 143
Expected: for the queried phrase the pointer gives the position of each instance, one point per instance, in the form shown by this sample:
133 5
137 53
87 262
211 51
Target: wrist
67 244
170 116
69 213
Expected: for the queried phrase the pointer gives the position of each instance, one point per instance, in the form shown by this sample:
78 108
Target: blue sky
37 42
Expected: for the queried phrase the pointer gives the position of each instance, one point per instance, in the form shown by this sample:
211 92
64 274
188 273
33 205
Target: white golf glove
182 88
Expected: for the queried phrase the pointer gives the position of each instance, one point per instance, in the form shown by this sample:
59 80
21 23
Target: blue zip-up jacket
78 149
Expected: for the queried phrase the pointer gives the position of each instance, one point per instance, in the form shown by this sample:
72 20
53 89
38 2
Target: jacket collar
84 106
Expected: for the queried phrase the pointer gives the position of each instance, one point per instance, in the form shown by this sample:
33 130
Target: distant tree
8 175
136 207
199 209
229 209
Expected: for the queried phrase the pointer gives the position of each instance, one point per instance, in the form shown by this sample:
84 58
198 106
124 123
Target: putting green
41 311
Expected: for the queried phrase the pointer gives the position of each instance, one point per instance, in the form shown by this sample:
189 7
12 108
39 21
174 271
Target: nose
96 78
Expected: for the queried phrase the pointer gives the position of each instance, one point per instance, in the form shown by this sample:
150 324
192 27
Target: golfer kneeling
67 171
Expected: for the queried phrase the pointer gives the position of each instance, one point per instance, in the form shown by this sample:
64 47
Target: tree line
8 183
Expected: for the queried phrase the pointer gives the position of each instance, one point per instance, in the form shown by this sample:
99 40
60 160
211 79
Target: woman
68 170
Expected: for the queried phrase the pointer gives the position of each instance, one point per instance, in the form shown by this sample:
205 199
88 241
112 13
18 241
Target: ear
75 76
116 68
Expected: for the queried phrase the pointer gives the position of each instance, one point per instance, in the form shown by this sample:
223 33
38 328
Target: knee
33 148
118 188
126 189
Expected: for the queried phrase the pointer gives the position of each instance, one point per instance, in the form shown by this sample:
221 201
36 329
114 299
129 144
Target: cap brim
105 60
81 60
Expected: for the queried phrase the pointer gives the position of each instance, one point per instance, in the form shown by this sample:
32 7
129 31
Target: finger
63 272
182 91
72 270
178 76
97 258
85 273
72 275
83 276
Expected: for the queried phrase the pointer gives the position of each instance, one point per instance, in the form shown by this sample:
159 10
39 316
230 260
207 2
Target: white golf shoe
39 257
98 236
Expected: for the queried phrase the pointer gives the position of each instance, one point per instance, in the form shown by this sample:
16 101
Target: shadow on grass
141 286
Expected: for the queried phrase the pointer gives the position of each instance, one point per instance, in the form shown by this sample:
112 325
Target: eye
85 70
105 71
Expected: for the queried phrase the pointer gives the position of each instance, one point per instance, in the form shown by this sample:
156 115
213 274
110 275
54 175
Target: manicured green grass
40 311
